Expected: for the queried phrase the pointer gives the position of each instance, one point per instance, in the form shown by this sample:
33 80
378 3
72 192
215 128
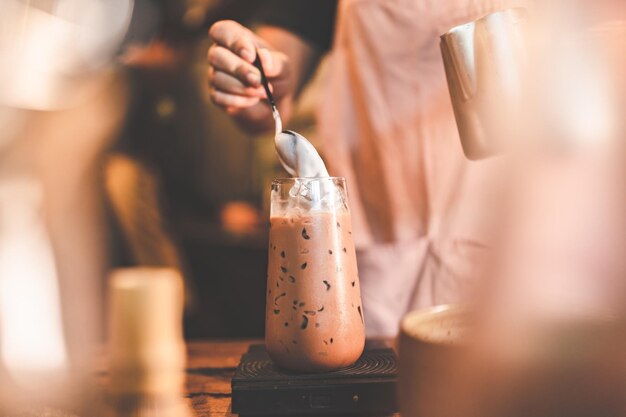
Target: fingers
267 60
229 93
226 61
226 83
234 37
235 82
232 101
233 52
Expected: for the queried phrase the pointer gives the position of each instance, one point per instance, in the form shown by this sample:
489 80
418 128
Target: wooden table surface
210 368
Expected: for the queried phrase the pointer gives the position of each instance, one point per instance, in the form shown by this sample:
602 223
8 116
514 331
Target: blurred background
107 130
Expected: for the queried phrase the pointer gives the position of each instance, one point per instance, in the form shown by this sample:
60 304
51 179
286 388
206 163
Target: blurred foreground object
428 340
33 349
451 365
49 48
53 250
549 338
536 77
146 347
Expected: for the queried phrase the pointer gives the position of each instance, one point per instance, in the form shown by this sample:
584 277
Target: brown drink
314 317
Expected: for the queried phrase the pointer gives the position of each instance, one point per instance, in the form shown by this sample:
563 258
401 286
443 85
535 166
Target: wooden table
211 366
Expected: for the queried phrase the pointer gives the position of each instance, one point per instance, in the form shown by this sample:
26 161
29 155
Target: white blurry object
47 47
32 346
146 346
582 106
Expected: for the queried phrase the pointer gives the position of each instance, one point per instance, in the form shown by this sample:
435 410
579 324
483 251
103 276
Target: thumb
273 62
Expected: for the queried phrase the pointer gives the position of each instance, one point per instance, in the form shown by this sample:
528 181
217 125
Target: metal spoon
295 152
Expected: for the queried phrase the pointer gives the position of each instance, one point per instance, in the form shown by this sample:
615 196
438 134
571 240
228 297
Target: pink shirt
388 124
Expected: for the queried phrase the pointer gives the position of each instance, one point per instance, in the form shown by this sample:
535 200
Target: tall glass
314 318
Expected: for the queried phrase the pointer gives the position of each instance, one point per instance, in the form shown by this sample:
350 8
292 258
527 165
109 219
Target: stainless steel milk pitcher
484 64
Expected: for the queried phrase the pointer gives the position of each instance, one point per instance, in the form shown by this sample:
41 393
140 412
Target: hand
235 82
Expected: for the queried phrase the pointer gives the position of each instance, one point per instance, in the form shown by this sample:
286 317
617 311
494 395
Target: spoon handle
270 97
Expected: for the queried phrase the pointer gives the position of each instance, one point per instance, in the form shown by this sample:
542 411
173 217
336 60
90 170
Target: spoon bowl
298 156
295 153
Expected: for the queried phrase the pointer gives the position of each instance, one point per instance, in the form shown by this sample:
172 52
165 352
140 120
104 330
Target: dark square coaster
367 388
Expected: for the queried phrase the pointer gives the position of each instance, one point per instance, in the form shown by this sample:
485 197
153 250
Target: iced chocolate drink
314 318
